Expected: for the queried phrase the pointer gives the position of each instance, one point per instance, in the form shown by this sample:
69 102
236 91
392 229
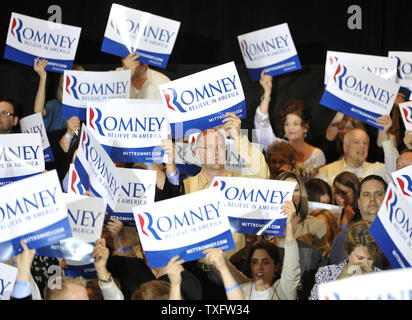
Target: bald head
404 160
355 147
210 148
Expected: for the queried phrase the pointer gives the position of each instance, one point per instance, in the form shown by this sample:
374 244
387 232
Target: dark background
208 37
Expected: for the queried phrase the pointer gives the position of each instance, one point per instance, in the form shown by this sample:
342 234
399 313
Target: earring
306 134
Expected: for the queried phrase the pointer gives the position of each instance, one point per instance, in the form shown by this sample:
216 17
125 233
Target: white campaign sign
34 124
86 216
32 210
130 130
253 206
404 74
359 94
200 101
406 111
138 189
83 87
385 67
185 226
383 285
8 276
151 36
271 49
29 38
391 228
21 155
96 170
403 180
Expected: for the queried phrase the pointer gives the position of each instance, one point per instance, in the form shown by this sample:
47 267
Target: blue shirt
53 120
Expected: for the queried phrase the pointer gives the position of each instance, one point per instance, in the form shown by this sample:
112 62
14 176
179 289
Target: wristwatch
109 279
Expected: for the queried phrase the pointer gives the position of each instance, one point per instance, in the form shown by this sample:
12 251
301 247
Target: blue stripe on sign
333 102
48 155
258 226
148 154
70 111
71 249
278 68
181 129
127 218
119 49
37 239
87 271
8 180
53 65
192 252
389 248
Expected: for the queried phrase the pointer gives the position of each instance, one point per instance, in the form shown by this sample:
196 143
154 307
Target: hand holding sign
289 209
39 67
232 124
138 68
24 261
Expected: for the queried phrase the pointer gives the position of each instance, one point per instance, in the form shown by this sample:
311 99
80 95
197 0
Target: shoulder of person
158 77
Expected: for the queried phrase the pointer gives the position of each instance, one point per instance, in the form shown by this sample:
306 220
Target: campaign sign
359 94
96 170
21 156
403 180
151 36
185 226
138 188
8 276
383 285
32 210
130 130
29 38
200 101
406 111
83 87
253 205
86 216
392 228
75 185
34 124
271 49
404 71
385 67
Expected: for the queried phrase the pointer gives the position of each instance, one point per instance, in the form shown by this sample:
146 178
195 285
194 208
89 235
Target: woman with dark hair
295 122
263 261
346 188
319 191
309 229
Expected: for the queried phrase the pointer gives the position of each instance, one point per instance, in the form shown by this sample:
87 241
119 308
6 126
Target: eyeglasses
292 124
6 114
211 147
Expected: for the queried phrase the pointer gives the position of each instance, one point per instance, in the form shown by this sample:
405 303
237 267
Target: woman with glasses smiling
295 122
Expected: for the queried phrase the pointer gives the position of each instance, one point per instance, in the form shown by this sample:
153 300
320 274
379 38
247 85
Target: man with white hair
355 148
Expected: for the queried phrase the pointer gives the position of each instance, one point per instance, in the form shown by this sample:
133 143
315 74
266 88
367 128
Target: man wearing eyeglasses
211 150
8 116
